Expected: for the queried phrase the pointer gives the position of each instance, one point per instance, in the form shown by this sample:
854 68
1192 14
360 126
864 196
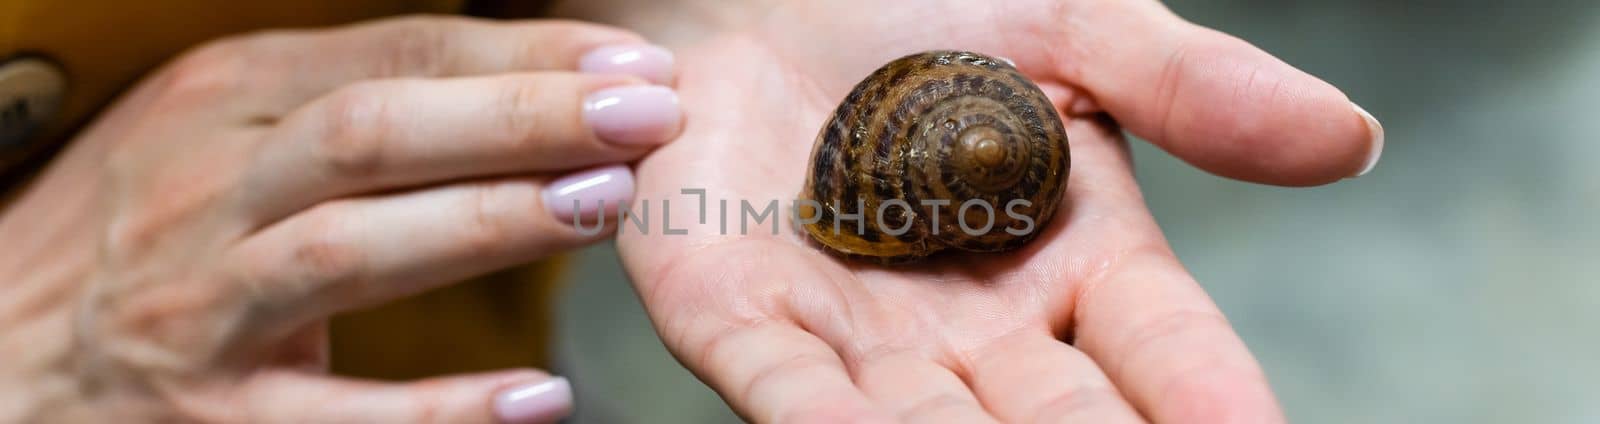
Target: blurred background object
1458 282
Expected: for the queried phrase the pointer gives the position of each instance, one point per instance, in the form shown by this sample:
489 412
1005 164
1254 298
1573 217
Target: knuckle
323 256
126 234
428 410
1075 400
165 214
416 45
1169 81
1150 337
150 322
209 71
934 406
773 374
724 346
357 122
426 401
328 261
521 112
492 229
718 343
1177 324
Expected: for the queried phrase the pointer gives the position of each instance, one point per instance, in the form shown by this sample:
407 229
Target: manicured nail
585 195
651 62
537 402
634 114
1376 130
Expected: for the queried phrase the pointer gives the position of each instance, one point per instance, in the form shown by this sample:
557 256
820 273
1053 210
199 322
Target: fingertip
1239 112
591 193
650 62
1221 395
1218 102
634 114
540 400
1375 135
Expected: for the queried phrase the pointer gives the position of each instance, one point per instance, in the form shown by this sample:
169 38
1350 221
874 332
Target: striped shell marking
935 130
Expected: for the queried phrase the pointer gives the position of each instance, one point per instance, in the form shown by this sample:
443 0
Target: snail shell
929 128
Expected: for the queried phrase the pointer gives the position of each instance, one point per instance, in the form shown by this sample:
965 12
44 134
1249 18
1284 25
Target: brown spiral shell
930 127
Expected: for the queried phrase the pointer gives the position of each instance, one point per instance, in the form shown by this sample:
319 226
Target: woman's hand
1095 321
179 261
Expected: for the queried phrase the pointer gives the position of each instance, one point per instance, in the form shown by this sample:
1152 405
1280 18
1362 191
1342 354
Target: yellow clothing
104 46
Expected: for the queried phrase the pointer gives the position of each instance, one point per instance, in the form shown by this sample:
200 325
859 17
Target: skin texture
182 253
179 260
1096 321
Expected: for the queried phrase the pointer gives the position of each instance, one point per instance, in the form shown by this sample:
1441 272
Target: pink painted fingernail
634 114
585 195
651 62
537 402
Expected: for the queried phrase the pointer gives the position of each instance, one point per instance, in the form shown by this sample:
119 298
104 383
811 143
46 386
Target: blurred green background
1456 283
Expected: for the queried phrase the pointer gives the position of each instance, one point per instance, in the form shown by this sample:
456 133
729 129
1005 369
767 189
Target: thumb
1216 101
516 396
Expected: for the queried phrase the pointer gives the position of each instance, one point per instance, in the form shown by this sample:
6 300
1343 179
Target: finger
521 396
299 65
397 133
357 252
773 372
1168 348
1147 292
1029 376
917 390
1214 100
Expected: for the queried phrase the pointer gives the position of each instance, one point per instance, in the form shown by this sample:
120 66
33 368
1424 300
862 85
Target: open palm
1095 320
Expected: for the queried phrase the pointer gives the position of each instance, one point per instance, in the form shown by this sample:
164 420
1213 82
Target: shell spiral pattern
934 151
